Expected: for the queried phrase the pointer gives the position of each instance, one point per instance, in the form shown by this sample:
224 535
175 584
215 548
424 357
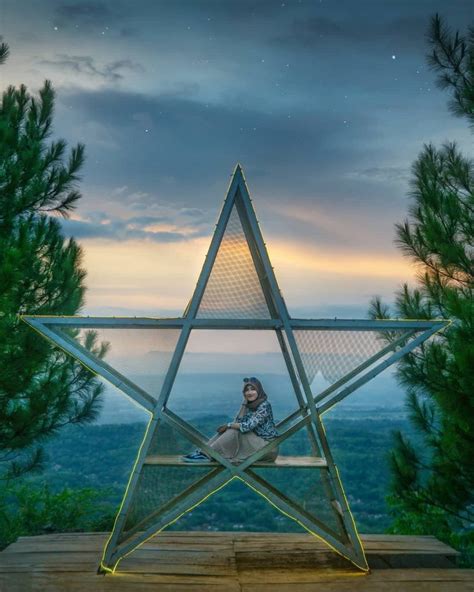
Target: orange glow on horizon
162 276
368 265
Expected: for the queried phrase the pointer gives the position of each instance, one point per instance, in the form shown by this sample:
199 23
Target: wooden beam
281 461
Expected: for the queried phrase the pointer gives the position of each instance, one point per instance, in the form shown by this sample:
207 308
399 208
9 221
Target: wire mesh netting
334 354
141 355
233 290
161 480
160 485
300 444
239 508
207 390
307 491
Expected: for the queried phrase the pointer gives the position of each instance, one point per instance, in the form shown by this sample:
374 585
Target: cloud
100 16
147 220
83 14
381 174
183 149
157 206
382 30
87 65
158 229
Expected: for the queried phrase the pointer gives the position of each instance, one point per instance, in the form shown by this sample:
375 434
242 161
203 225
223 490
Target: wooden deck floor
218 562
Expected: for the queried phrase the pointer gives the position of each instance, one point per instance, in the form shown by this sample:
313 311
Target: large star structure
237 289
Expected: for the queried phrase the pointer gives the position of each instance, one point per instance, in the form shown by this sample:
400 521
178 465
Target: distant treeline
101 457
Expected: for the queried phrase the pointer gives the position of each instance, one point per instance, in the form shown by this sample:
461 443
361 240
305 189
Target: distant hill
220 393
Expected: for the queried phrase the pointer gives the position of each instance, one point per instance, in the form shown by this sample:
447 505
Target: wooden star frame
249 265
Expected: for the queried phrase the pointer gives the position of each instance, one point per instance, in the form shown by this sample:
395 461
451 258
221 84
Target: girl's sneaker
196 457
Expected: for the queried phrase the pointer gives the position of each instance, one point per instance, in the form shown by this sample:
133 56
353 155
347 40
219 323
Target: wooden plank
82 582
341 584
393 576
406 581
312 559
155 560
383 548
78 540
250 562
292 549
97 546
182 569
294 541
419 580
281 461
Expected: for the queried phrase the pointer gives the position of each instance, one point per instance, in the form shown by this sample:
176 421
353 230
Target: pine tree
41 389
433 478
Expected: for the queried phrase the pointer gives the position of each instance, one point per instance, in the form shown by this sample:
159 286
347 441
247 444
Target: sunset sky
325 105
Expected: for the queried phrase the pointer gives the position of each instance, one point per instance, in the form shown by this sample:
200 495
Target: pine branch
4 52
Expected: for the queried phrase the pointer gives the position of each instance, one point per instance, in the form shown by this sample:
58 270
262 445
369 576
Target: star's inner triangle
233 290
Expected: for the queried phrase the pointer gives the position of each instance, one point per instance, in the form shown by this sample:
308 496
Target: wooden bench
306 462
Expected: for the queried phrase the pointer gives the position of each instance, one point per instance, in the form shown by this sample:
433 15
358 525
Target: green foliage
99 456
452 56
4 51
433 484
41 389
26 510
432 520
